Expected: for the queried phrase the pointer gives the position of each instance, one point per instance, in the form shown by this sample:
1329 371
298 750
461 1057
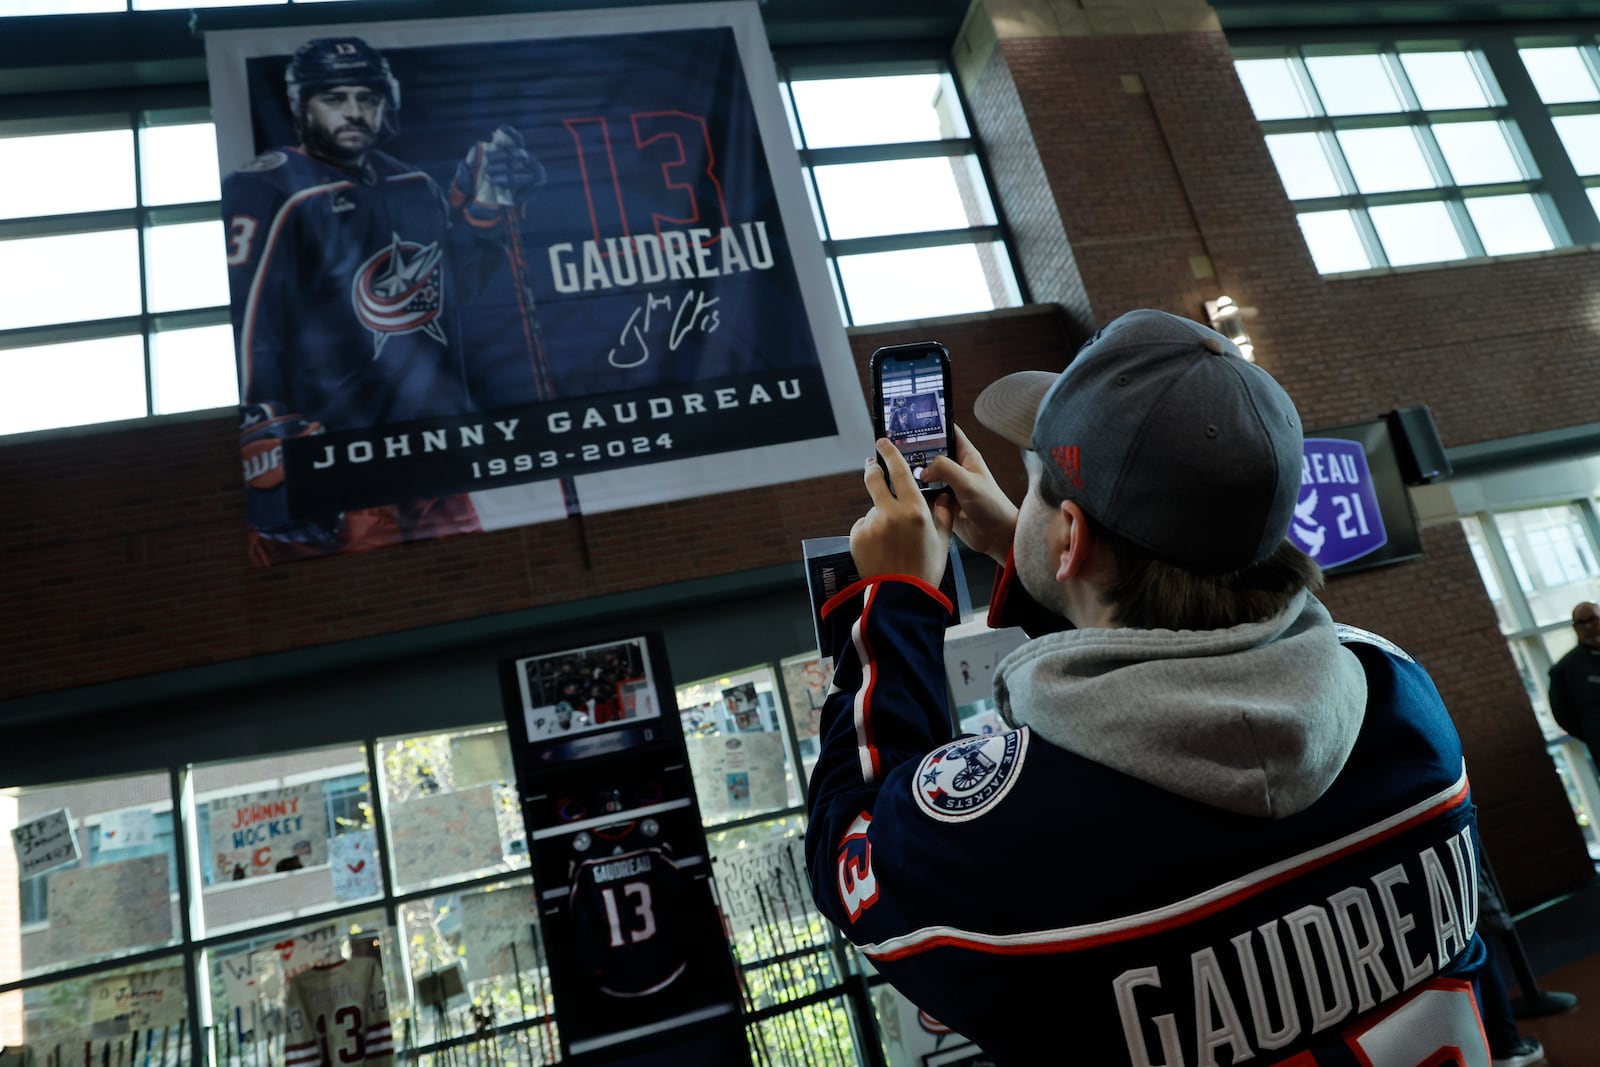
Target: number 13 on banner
1436 1026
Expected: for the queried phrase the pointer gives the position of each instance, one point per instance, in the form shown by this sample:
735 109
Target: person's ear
1077 543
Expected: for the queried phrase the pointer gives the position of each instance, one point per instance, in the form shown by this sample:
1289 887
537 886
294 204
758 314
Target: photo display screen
914 409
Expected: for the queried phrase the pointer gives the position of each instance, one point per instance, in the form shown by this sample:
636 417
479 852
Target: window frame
131 111
805 65
1526 637
1549 177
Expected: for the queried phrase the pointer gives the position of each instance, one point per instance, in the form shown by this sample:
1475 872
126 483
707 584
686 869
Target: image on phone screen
914 410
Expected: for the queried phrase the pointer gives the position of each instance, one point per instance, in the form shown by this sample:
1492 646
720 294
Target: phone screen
912 386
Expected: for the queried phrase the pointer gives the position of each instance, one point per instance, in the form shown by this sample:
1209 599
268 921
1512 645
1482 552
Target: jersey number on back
1437 1026
641 922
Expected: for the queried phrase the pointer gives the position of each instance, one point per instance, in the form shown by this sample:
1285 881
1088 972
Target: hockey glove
261 437
496 174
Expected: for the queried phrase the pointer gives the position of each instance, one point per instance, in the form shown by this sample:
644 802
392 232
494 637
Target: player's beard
326 144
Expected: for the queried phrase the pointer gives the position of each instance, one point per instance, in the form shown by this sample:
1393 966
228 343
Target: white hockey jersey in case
338 1015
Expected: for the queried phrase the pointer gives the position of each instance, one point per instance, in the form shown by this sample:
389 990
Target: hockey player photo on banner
486 273
565 694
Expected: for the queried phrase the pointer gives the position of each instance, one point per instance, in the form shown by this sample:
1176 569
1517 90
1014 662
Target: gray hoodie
1257 719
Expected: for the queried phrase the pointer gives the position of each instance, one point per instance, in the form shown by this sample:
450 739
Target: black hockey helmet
327 61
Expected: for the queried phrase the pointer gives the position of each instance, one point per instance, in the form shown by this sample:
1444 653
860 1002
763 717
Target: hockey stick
524 1054
760 1042
546 1006
834 1054
533 337
778 966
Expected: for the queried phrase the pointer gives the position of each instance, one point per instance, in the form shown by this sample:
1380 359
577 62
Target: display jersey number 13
628 911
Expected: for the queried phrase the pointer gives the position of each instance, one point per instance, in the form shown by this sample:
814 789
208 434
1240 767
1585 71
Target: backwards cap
1165 435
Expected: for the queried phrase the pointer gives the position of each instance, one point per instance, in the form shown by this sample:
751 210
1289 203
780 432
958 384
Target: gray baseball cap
1165 435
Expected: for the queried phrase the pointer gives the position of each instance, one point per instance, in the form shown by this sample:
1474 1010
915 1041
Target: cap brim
1010 405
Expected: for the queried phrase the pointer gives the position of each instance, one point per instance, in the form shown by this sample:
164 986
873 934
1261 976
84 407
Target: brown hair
1151 593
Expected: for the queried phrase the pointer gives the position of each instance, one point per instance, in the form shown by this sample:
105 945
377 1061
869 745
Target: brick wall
1167 197
129 556
1133 174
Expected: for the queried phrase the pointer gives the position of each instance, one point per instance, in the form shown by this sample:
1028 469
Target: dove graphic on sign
1337 518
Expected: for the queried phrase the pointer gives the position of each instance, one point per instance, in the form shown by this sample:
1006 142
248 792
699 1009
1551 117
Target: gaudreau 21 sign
1338 518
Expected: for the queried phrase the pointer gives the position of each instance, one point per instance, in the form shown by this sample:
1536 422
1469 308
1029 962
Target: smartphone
910 397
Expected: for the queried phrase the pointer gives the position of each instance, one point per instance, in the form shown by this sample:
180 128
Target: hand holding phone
910 394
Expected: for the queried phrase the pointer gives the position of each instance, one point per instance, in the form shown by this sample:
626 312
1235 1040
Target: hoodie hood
1256 719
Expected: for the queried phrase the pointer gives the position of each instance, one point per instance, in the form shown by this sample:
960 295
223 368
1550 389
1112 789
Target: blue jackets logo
964 779
1337 519
400 290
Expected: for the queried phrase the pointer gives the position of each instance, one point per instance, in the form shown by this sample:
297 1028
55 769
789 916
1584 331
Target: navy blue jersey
1032 899
343 299
627 901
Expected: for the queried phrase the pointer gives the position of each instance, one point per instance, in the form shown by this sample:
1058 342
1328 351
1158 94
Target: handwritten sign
353 861
257 981
775 866
445 834
110 906
491 923
45 844
805 683
143 1000
276 830
481 759
239 982
738 774
127 828
971 653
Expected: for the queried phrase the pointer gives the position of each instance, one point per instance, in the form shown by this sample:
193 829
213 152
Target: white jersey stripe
1089 935
862 703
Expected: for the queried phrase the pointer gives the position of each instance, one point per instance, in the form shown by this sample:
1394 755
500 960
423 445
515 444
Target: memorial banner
491 272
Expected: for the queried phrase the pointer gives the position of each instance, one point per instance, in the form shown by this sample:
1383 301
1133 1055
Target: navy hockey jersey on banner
343 297
627 901
1338 936
571 259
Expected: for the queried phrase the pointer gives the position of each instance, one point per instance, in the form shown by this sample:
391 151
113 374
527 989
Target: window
738 750
1536 564
408 850
901 201
1567 79
110 892
118 303
1564 566
1404 155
